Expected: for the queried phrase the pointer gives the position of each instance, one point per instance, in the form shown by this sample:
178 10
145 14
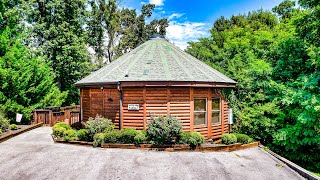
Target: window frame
206 113
220 109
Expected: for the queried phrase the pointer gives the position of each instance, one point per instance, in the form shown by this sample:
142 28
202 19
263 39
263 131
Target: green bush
163 130
141 137
82 135
0 131
58 131
4 124
13 127
243 138
191 138
98 139
229 138
69 135
63 124
98 125
127 135
111 137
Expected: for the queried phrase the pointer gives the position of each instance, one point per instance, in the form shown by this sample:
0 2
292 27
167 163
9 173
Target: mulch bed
21 129
208 147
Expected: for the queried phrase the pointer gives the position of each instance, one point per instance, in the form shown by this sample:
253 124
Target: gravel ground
34 155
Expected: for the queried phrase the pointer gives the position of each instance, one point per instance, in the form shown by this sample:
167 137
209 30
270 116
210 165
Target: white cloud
180 33
156 2
175 15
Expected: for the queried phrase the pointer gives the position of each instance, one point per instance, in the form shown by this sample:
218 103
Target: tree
285 9
58 34
26 81
134 30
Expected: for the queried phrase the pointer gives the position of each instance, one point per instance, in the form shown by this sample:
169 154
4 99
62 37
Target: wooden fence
51 115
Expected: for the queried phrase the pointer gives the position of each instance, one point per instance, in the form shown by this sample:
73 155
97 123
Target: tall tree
26 81
58 32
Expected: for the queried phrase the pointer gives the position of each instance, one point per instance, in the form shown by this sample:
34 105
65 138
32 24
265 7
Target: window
200 111
216 109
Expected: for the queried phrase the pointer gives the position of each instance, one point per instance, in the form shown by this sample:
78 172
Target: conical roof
155 60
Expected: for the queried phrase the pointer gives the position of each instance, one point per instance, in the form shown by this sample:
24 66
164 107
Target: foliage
98 139
126 136
239 47
58 131
228 138
192 138
112 137
141 137
98 125
243 138
82 135
0 132
13 127
63 124
60 37
26 81
69 135
4 124
163 130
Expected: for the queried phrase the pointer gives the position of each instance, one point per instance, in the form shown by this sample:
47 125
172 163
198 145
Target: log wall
153 101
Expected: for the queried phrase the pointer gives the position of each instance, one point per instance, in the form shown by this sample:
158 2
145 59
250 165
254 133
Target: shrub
98 139
98 125
4 124
63 124
127 135
111 137
13 127
191 138
228 138
163 130
0 131
243 138
69 135
82 135
58 131
141 137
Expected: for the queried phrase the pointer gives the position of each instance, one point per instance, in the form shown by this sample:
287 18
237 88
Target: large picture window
200 111
216 110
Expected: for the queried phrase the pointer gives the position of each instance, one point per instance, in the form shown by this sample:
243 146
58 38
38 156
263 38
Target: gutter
303 172
120 114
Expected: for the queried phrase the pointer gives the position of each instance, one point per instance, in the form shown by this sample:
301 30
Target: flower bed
18 130
162 134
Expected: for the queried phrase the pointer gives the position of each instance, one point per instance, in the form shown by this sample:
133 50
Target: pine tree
26 81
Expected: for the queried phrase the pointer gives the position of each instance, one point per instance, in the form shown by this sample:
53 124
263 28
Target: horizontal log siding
104 102
153 101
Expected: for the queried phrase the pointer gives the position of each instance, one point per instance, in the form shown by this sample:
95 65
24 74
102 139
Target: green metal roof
156 60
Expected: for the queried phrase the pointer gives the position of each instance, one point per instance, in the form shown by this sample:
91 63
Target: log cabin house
156 79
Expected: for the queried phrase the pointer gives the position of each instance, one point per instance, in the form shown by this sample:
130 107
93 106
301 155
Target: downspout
120 115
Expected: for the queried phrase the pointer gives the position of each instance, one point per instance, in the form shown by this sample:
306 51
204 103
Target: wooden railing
51 115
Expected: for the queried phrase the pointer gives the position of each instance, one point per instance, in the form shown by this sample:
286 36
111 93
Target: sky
192 19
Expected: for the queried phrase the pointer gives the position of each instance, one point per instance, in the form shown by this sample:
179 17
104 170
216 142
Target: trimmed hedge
82 135
228 138
243 138
13 127
192 138
69 135
141 137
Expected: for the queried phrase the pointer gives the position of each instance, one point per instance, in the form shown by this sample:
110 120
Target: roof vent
157 36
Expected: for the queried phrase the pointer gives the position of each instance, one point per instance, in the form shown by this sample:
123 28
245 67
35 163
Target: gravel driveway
33 155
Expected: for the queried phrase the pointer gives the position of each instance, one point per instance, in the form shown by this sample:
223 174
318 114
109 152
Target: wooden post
144 108
222 114
209 112
168 100
191 109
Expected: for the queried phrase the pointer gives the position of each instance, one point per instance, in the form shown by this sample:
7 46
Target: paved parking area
33 155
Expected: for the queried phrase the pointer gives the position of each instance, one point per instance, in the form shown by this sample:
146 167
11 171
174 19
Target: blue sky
191 19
